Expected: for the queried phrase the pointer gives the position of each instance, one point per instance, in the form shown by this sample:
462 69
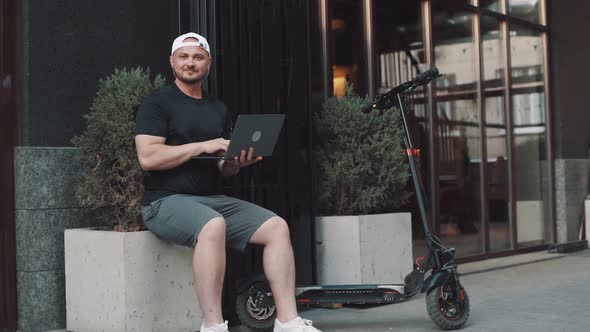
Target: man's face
190 63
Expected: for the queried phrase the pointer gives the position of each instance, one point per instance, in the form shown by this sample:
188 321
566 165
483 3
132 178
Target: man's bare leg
209 269
279 265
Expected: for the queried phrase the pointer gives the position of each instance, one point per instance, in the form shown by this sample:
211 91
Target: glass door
496 134
530 138
457 131
399 53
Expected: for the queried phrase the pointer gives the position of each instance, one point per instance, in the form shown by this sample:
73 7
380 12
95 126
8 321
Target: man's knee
278 229
214 230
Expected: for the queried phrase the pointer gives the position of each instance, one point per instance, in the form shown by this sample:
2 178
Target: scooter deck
351 294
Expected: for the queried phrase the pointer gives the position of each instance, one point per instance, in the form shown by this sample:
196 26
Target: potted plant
112 177
362 177
121 277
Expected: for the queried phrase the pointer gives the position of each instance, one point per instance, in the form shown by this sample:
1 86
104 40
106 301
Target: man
182 201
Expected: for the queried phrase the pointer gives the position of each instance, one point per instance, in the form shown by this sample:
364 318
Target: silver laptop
259 131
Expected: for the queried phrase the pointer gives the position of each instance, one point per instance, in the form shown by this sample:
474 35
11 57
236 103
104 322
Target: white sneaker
221 327
296 325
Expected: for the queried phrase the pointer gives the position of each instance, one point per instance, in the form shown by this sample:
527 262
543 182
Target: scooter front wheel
256 309
448 306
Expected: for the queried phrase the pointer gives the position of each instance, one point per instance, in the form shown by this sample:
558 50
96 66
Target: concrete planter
128 282
530 216
364 249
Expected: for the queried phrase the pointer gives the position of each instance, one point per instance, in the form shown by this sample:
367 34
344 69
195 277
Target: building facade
500 177
504 133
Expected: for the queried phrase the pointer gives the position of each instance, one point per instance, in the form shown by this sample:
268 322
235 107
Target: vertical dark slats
8 140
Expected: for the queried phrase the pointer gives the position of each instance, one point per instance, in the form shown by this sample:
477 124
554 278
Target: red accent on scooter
419 259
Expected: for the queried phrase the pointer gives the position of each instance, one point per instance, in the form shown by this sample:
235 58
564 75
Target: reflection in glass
490 4
398 42
347 46
498 189
399 57
525 9
457 133
530 138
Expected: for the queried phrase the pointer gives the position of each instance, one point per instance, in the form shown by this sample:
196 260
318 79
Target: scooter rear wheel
447 307
255 309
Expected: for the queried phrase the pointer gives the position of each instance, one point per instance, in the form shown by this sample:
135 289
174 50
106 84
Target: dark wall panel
570 52
262 66
8 135
69 44
298 106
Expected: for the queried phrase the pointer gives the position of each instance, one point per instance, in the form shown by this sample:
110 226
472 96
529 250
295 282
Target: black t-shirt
169 113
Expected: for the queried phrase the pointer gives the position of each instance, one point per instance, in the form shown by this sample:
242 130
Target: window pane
398 42
498 189
530 137
400 57
525 9
347 46
490 4
457 132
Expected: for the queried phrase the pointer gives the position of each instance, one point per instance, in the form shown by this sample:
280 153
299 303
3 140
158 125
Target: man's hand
232 167
218 145
246 159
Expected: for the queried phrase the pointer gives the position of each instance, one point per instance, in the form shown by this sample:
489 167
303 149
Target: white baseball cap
180 42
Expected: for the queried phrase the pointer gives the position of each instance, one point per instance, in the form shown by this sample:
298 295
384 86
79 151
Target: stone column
571 188
45 185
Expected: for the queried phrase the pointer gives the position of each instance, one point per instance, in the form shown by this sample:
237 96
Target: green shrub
112 177
362 163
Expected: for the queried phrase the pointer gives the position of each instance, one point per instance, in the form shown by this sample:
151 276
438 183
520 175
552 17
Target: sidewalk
507 262
532 292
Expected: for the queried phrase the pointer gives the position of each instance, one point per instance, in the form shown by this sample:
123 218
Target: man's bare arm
154 154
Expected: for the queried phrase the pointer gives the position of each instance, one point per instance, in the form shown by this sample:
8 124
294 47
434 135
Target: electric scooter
447 302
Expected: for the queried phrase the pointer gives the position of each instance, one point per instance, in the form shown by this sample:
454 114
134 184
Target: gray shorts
180 218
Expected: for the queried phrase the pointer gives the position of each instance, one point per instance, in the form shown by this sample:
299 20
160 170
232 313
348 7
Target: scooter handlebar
367 108
384 100
426 76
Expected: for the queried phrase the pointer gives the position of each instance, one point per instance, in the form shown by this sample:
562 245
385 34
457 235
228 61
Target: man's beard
188 80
